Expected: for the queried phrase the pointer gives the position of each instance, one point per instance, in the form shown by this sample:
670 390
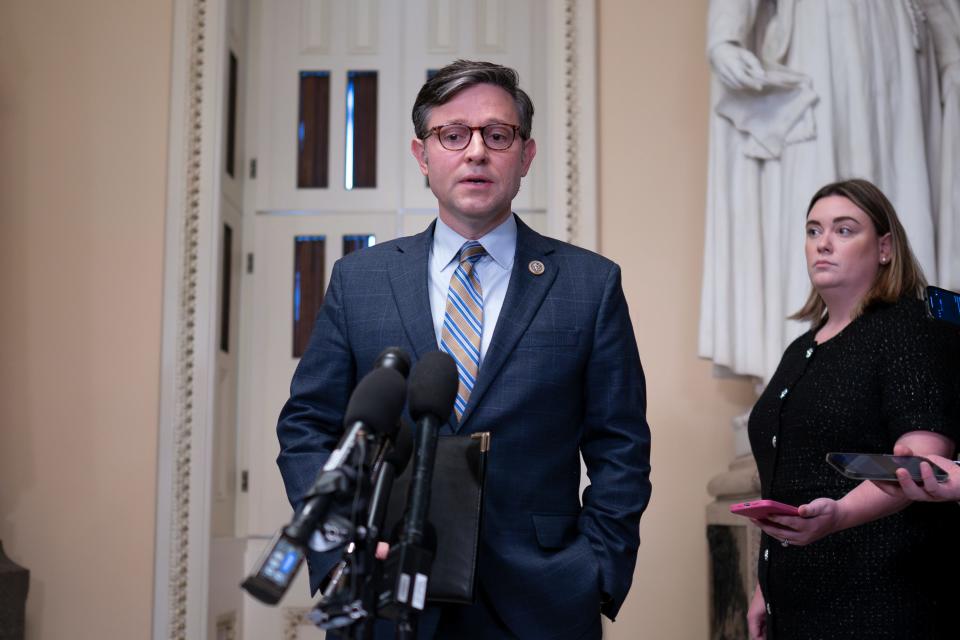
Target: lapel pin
536 267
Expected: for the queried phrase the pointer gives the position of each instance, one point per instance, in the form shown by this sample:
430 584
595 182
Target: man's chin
474 219
483 213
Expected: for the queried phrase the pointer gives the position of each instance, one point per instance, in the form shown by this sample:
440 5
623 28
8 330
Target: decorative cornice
186 352
571 119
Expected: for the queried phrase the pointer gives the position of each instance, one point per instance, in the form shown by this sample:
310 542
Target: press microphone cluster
347 504
373 411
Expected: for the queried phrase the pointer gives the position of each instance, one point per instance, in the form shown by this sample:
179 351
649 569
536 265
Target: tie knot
471 252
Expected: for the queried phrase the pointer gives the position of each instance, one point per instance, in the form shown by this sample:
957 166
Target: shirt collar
500 243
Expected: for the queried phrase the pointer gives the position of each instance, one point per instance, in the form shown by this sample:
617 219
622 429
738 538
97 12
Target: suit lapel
525 293
409 282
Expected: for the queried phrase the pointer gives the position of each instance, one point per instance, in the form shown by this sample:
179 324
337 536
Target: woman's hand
865 503
930 490
818 519
757 616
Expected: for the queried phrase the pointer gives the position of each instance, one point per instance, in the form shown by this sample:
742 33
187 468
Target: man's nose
476 150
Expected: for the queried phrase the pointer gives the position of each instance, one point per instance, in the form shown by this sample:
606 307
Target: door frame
192 245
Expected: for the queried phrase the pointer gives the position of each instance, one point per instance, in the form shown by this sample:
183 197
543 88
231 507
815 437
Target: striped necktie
463 321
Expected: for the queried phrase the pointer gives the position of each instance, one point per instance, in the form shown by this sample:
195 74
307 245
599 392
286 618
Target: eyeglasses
456 137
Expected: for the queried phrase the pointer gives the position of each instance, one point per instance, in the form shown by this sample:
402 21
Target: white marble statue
807 92
943 17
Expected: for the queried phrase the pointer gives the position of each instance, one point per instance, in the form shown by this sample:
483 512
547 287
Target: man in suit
553 373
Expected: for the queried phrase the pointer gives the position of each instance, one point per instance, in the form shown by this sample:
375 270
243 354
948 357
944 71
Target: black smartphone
943 304
877 466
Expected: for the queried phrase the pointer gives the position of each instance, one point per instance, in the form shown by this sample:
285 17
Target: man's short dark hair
463 74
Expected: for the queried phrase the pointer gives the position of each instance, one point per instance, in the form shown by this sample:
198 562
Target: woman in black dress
872 373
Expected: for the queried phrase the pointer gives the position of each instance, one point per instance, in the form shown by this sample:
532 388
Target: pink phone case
763 509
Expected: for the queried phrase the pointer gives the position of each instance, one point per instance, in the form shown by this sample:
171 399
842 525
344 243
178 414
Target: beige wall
84 93
654 101
83 137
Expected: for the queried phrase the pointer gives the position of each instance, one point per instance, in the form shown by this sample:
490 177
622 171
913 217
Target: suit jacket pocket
555 530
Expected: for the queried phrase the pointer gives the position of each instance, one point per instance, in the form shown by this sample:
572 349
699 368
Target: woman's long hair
901 276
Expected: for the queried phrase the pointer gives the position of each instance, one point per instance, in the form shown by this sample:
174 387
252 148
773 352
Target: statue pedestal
733 544
14 583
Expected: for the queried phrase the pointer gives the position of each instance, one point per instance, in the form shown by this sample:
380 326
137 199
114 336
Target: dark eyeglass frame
515 128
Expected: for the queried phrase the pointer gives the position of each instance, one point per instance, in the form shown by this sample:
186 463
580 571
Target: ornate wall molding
571 44
179 553
570 121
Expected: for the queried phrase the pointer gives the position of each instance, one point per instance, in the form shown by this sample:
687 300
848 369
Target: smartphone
878 466
763 509
944 305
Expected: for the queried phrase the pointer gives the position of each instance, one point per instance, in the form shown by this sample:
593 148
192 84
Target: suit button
773 441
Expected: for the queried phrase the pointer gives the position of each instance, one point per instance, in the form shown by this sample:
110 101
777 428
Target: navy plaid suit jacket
561 378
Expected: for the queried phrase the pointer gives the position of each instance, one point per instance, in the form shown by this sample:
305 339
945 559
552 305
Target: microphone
397 359
394 358
339 606
374 407
394 462
431 393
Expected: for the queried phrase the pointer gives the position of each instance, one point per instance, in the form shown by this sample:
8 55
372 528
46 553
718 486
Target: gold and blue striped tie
463 321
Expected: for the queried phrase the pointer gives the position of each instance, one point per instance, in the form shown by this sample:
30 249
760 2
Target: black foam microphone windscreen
394 358
377 401
433 386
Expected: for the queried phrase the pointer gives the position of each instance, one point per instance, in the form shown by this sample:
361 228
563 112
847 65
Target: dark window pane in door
360 166
226 281
354 242
231 117
313 130
308 273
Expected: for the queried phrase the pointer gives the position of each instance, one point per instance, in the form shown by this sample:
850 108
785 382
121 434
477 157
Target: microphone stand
344 604
414 559
431 394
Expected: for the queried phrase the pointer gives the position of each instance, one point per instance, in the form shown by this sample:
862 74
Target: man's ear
527 153
419 150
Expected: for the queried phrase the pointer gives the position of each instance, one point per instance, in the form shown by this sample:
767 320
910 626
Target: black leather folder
456 509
